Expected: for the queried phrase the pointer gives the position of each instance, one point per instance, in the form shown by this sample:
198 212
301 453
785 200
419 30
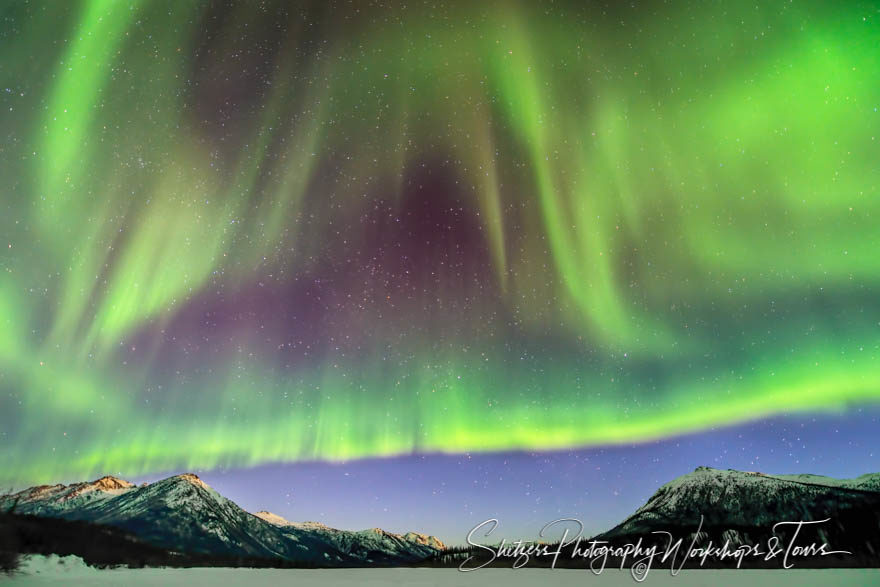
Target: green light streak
680 225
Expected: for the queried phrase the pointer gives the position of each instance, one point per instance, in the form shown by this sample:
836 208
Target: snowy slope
868 482
743 507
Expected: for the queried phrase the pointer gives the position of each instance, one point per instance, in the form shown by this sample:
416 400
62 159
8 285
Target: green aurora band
676 211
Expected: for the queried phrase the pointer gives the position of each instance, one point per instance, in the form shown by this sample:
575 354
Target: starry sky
238 237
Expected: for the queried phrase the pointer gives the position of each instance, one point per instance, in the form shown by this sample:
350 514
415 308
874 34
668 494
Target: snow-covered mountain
868 482
742 498
366 543
50 499
743 507
183 513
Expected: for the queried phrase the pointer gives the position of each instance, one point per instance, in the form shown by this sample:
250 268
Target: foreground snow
53 570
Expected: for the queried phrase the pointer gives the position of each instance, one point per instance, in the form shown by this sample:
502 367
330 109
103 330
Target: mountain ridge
732 485
183 513
711 506
745 508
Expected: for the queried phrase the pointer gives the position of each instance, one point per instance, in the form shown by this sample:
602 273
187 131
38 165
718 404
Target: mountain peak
105 485
425 539
311 526
277 520
193 479
273 519
109 482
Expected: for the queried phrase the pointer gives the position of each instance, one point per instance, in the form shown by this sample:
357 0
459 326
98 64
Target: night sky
450 242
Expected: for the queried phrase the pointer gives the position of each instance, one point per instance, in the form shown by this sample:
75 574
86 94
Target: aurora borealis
246 233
